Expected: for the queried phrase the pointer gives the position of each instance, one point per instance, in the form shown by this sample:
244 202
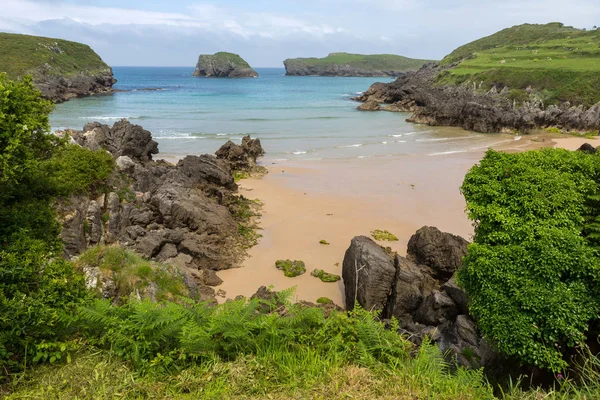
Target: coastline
336 200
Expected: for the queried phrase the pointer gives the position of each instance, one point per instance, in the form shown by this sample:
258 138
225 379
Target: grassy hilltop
561 62
353 64
23 54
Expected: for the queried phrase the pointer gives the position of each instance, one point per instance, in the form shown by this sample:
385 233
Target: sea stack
61 69
224 65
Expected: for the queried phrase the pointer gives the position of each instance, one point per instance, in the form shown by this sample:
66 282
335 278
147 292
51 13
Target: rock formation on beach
472 88
224 65
186 215
345 64
419 290
61 69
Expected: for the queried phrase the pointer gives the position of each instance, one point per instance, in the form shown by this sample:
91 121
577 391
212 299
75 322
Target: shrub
532 277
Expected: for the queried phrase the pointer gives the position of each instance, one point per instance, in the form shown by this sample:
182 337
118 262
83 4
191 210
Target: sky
265 32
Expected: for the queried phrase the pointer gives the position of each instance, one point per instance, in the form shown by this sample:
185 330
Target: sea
296 118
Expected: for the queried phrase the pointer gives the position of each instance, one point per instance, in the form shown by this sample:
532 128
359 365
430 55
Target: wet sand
337 200
573 143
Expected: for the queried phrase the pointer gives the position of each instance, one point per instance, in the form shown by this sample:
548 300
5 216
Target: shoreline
335 201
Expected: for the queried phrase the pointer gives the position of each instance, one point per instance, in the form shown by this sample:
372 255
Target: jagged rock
370 105
463 106
169 250
424 299
368 273
208 277
124 163
222 64
206 168
241 157
443 252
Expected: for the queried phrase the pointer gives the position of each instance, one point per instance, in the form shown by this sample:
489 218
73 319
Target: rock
290 268
206 168
124 163
587 148
223 65
368 273
208 277
325 276
169 250
457 295
443 252
412 284
241 157
370 105
436 309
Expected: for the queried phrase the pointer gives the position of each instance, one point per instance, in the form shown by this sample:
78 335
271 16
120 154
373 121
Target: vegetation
324 242
325 276
132 274
324 300
375 62
560 63
533 271
380 235
290 268
23 54
38 290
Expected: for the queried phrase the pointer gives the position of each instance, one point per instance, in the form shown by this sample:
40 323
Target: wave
107 118
298 152
517 137
383 142
443 153
444 139
178 137
399 141
351 145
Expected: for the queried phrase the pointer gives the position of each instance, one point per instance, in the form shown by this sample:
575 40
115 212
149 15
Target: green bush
532 276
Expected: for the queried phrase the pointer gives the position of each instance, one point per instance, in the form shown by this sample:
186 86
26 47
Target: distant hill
61 69
346 64
521 78
562 63
223 65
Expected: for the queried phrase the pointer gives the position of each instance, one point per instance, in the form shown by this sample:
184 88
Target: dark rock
223 65
206 168
412 285
241 157
443 252
457 295
169 250
368 273
587 148
436 309
369 106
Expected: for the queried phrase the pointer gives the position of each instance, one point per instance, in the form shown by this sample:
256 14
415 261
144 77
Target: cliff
345 64
524 77
224 65
60 69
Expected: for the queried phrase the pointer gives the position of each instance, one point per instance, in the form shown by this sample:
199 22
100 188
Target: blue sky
265 32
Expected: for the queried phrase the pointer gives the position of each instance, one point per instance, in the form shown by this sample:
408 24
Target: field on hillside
561 63
375 61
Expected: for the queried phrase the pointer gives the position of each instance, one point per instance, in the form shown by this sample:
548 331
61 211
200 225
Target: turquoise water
296 118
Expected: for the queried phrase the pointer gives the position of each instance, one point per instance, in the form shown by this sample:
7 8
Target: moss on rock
290 268
384 236
325 276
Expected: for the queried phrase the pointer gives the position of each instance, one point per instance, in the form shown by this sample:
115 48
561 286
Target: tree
532 276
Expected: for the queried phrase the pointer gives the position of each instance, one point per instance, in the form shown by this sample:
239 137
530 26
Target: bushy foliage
38 290
532 276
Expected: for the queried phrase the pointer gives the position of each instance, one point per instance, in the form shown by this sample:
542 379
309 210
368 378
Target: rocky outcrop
241 157
60 69
419 290
467 106
345 64
186 215
224 65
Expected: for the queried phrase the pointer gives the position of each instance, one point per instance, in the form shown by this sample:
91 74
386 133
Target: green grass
132 273
290 268
25 55
560 63
375 62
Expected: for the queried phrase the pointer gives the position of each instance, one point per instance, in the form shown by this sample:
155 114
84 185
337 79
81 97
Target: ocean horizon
296 118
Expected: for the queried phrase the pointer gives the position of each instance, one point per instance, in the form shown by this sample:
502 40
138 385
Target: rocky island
224 65
61 69
522 78
346 64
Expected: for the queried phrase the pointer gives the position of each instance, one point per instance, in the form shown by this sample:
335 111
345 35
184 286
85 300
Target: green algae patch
325 276
324 300
384 236
290 268
324 242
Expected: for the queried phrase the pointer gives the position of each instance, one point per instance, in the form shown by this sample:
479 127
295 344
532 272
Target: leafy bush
532 277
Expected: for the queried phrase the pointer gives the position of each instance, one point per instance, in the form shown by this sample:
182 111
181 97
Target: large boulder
241 157
443 252
223 65
368 273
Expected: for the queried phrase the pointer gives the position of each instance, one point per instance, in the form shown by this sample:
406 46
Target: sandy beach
337 200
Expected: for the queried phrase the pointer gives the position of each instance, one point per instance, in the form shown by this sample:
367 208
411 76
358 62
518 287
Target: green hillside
374 62
23 54
561 63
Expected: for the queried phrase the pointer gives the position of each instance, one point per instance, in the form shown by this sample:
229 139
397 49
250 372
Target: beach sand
573 143
337 200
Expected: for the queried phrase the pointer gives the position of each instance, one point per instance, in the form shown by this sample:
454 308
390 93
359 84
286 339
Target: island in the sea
61 69
346 64
224 65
